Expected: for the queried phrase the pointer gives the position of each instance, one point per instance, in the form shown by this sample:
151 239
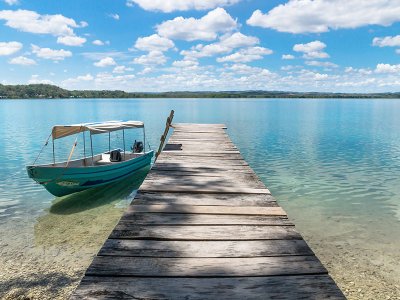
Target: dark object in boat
115 155
137 147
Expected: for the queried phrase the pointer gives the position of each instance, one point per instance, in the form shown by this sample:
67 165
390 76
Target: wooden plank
200 219
194 167
202 209
150 248
152 187
204 232
205 267
205 199
257 288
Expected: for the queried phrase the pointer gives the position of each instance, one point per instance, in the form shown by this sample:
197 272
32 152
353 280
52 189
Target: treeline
46 91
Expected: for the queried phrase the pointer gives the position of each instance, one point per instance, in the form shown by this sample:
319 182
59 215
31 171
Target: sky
202 45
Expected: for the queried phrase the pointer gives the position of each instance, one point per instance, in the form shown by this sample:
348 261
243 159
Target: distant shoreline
45 91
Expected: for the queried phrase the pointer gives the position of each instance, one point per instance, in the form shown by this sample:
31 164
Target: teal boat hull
61 181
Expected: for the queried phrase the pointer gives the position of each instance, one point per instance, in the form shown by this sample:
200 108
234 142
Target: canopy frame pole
54 155
91 146
123 139
84 145
144 140
109 141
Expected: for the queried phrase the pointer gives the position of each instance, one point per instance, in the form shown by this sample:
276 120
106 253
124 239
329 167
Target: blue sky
169 45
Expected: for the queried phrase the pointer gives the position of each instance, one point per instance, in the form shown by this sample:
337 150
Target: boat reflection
86 218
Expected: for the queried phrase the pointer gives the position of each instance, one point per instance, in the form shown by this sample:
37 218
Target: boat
71 176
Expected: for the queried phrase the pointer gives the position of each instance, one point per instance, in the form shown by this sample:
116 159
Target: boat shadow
104 195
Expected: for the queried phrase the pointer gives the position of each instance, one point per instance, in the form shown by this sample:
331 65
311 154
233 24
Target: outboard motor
137 147
115 156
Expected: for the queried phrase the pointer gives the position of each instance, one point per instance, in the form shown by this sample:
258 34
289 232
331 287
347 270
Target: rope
41 150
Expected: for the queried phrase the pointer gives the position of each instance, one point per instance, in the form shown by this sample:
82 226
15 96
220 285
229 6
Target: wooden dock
203 226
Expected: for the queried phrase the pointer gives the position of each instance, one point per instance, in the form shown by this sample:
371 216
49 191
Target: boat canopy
60 131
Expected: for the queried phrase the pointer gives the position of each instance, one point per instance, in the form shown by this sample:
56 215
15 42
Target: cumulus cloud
287 56
98 43
31 21
154 43
325 64
22 61
205 28
185 63
121 69
174 5
226 44
51 54
152 58
387 68
105 62
114 16
71 40
315 16
8 48
246 55
387 41
36 80
11 2
312 50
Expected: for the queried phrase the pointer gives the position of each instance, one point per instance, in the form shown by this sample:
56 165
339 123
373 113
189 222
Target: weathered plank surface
151 248
204 226
260 288
205 267
204 232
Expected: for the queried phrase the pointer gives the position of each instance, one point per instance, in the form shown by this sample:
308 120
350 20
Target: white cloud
121 69
105 62
101 55
314 16
98 43
173 5
11 2
86 77
245 69
312 50
387 68
31 21
387 41
226 44
361 71
71 40
35 80
325 64
288 56
205 28
114 16
185 63
23 61
51 54
246 55
8 48
154 43
146 70
152 58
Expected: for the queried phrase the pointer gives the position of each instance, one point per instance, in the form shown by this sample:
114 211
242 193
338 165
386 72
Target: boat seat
104 160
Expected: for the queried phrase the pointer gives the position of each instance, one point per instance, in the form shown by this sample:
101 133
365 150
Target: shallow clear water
334 165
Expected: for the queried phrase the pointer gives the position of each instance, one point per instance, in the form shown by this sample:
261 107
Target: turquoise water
334 165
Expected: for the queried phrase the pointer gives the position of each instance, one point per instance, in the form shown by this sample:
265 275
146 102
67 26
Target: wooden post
164 136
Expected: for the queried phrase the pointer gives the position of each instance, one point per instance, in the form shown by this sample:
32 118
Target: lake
333 165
